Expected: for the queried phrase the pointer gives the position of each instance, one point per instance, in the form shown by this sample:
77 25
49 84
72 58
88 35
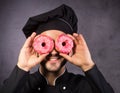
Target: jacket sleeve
21 81
97 81
17 77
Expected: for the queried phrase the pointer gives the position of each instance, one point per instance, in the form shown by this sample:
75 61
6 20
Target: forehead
52 33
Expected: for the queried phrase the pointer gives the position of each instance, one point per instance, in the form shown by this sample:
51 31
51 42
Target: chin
53 67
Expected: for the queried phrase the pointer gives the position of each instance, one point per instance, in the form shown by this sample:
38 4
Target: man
52 76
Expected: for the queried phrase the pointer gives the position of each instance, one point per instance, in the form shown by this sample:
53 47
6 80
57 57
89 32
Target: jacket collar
63 78
60 79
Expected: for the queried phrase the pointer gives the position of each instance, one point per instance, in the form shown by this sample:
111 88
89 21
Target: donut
64 44
43 44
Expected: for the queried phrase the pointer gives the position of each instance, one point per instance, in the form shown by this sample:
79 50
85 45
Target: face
53 62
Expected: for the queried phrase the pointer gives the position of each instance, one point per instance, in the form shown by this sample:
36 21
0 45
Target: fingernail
75 34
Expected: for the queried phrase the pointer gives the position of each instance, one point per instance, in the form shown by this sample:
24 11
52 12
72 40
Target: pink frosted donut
64 44
43 44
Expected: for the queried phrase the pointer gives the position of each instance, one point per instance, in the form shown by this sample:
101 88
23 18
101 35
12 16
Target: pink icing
64 44
43 44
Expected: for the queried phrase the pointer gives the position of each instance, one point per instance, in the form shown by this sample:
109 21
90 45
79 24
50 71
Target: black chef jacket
23 82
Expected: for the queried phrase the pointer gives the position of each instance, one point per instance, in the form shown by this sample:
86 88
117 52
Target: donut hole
63 43
43 44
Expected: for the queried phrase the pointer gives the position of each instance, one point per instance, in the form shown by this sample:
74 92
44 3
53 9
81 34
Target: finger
28 42
33 35
82 40
75 35
67 57
70 36
71 53
41 57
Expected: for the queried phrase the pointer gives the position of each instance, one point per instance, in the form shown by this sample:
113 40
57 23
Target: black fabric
95 76
63 13
49 89
92 82
55 24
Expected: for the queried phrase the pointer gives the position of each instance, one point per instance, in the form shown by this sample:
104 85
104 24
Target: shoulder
78 82
76 78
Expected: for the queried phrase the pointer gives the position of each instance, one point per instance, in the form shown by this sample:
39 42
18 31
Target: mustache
51 55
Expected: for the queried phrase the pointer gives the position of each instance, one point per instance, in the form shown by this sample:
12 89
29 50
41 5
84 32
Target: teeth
53 58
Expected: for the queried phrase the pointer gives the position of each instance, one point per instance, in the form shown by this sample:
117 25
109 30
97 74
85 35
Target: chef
52 75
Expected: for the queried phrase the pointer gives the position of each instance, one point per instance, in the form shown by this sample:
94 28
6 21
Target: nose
54 52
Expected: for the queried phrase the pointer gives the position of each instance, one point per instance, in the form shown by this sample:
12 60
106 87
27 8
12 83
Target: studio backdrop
98 21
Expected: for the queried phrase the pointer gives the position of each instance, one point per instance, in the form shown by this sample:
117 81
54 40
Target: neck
51 76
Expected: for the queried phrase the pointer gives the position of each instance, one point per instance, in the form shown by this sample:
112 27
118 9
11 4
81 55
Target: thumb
67 57
41 57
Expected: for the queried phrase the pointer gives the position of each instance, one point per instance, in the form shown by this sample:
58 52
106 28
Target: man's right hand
28 57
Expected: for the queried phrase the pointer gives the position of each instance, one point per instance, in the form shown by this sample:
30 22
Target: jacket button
64 88
38 88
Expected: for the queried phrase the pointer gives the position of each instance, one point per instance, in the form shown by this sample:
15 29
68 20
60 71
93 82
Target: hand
28 57
81 56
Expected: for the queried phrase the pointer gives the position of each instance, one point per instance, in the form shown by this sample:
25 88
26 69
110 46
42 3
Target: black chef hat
61 18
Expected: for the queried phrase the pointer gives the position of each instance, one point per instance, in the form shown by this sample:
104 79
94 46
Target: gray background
99 22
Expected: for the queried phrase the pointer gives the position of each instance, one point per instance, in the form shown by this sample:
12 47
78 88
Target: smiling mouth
53 58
